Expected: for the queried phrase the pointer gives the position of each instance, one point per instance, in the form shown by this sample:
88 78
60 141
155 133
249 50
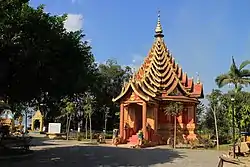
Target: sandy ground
74 154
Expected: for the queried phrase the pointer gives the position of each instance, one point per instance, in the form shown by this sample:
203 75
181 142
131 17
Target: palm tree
237 76
88 112
174 109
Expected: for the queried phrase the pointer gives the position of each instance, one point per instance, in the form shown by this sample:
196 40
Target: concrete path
73 154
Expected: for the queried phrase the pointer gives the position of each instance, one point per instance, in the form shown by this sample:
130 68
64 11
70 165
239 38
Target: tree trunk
90 127
86 128
68 128
239 138
26 122
79 127
216 129
67 122
175 127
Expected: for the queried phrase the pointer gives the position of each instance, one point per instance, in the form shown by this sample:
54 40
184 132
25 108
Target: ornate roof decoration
160 77
37 115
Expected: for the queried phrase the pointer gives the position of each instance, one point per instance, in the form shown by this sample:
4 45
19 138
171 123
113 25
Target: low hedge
82 136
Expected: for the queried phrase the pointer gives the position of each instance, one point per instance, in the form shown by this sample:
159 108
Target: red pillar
122 121
156 118
144 119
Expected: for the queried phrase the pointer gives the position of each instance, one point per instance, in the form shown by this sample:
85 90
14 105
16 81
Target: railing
226 160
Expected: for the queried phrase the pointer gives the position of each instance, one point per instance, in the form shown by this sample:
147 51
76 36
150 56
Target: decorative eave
190 83
198 91
181 98
131 85
37 115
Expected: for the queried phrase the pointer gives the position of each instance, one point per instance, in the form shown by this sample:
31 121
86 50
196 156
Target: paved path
73 154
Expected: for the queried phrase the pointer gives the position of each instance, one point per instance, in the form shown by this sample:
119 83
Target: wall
166 122
151 117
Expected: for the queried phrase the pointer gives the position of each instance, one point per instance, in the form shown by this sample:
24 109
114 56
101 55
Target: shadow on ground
91 156
42 142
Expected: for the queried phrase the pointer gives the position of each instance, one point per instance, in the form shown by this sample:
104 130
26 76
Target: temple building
159 81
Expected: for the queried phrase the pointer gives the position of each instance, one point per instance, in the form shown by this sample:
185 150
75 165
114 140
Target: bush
194 143
82 136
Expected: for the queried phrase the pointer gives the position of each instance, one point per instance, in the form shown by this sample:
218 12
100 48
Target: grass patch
224 147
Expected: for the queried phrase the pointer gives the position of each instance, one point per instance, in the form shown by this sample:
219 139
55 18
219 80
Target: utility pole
232 99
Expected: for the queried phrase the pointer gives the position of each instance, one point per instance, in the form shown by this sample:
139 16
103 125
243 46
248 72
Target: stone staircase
155 138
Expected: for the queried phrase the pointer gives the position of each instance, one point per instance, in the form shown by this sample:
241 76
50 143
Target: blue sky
202 35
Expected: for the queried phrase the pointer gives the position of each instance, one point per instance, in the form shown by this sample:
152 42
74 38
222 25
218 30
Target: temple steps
133 140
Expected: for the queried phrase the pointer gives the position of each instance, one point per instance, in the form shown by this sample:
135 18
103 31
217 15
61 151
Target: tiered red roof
161 78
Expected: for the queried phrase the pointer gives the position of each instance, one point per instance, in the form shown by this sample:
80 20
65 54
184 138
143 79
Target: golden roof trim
131 84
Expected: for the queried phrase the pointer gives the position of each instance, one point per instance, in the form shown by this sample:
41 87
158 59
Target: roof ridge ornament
158 29
198 78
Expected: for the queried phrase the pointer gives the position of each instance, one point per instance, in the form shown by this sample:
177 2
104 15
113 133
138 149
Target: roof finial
198 78
158 29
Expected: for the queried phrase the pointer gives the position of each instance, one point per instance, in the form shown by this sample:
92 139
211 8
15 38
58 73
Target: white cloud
74 22
137 59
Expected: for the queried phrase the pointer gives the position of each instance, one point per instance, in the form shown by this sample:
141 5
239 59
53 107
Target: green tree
3 106
38 54
246 116
200 114
174 109
68 110
215 105
109 82
237 76
88 112
218 104
242 117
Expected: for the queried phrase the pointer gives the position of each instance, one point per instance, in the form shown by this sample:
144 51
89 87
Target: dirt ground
74 154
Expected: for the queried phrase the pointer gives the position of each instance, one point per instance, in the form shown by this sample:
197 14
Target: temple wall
185 122
165 123
190 114
126 116
151 117
129 116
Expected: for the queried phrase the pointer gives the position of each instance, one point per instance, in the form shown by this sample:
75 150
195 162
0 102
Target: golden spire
158 29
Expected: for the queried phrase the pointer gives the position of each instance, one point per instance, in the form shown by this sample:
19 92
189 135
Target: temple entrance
36 125
138 117
37 122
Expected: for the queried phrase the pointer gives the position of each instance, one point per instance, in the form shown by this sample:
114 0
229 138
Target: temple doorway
37 125
138 117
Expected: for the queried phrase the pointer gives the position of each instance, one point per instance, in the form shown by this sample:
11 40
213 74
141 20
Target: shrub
82 136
